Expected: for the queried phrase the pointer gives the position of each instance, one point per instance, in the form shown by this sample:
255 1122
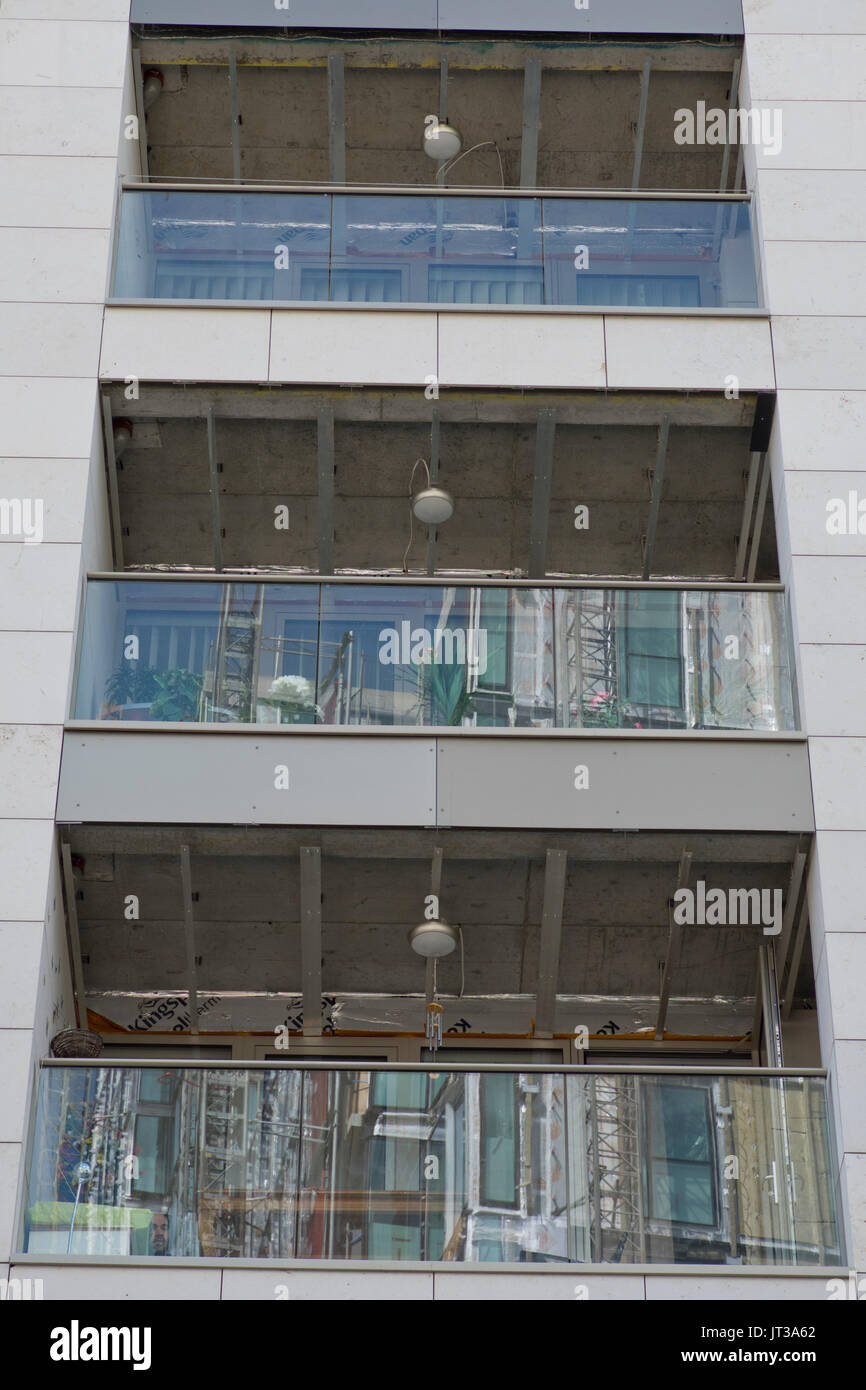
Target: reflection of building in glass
434 1165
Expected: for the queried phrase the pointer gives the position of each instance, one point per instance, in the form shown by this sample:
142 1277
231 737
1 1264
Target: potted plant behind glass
293 698
131 687
177 696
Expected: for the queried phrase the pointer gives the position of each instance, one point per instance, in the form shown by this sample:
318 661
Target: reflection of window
500 1153
650 639
154 1124
663 291
486 285
680 1161
207 279
151 1143
493 621
367 286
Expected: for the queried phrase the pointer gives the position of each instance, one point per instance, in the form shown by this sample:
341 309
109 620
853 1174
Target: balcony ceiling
247 910
588 119
604 453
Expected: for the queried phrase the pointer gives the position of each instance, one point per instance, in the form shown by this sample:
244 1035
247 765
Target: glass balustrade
388 248
464 1166
434 655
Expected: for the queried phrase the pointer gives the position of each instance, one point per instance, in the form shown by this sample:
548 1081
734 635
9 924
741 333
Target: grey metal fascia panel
214 779
633 784
306 14
598 17
492 16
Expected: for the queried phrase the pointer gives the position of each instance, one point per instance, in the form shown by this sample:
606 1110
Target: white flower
295 688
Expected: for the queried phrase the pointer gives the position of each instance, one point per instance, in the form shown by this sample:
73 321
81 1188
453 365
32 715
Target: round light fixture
441 141
433 506
434 938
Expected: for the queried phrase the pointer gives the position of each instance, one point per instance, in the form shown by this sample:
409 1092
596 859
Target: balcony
494 249
572 1166
426 655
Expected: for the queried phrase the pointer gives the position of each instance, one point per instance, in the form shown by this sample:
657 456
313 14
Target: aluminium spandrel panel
496 16
231 779
625 783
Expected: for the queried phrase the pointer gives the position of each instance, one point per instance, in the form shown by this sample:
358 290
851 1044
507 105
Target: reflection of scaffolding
590 638
615 1168
87 1114
235 659
248 1162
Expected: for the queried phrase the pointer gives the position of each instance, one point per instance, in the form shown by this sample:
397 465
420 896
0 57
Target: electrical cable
411 513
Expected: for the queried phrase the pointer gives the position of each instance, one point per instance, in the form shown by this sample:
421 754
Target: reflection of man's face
159 1233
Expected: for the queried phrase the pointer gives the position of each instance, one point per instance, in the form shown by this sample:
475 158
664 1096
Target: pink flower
597 699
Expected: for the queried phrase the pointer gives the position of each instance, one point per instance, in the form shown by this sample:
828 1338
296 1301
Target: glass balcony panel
648 253
396 248
417 250
434 656
674 659
472 1166
217 245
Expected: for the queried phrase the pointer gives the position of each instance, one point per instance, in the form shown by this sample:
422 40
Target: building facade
431 537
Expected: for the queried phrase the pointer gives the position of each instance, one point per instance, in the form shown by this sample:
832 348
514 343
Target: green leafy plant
131 684
446 690
177 696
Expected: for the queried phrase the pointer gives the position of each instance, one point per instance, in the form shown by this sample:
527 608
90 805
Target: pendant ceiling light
441 141
433 506
433 939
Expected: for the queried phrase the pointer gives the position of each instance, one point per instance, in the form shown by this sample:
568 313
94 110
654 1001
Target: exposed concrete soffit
717 55
581 846
483 407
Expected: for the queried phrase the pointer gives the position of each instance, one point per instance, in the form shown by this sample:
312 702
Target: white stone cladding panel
85 11
187 344
838 776
843 964
76 1284
38 587
21 950
474 1287
833 689
29 762
806 422
47 417
79 121
824 516
15 1045
41 265
815 135
521 350
39 190
48 339
820 277
820 353
853 1195
812 205
10 1161
801 17
659 353
354 347
694 1288
836 70
828 593
59 484
61 54
334 1285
